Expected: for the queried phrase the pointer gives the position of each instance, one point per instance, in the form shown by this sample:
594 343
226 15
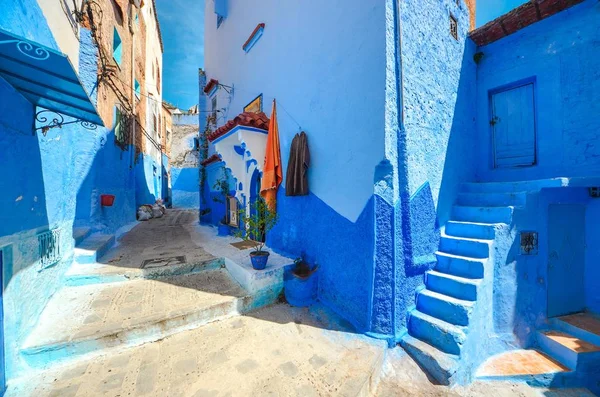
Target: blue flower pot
223 230
259 259
300 291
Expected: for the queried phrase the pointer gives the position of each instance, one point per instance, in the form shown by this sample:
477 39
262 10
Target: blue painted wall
50 182
185 182
561 54
592 270
435 155
329 80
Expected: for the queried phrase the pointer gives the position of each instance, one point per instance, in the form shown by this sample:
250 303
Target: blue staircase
440 324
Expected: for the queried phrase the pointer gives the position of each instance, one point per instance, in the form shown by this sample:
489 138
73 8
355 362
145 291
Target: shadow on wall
110 173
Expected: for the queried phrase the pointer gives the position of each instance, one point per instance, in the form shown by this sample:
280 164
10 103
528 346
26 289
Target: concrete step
482 214
444 336
508 187
93 247
454 286
527 365
567 349
467 247
92 320
461 266
452 310
517 199
584 326
99 273
482 231
438 364
81 233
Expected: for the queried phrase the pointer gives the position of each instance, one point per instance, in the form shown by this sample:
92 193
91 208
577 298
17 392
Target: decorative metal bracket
52 119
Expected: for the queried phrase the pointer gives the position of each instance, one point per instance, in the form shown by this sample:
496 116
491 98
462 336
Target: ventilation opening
49 248
453 27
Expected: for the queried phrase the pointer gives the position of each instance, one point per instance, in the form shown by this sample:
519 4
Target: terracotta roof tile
212 159
248 119
527 14
210 85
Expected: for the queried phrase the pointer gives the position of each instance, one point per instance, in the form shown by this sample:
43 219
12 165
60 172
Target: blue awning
45 77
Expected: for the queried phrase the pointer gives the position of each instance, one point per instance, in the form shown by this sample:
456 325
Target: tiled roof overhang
527 14
247 119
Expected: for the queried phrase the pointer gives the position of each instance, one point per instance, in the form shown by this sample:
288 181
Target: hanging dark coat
296 183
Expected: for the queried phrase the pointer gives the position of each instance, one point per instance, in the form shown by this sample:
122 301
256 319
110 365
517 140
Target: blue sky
488 10
181 23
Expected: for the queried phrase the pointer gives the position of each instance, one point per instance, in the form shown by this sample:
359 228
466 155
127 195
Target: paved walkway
171 328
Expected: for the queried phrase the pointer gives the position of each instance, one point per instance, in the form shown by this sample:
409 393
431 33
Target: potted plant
256 224
222 187
300 283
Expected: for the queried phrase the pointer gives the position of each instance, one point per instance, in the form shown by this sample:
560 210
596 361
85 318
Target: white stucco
64 28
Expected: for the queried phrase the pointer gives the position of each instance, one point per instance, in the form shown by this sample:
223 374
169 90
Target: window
119 130
138 89
214 107
117 47
157 78
453 27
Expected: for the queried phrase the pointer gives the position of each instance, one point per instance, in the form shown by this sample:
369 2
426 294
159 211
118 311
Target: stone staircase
456 300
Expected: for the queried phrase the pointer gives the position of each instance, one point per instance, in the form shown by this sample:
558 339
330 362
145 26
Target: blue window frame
117 47
137 88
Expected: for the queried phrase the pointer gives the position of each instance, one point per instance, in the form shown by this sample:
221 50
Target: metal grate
529 243
49 248
453 27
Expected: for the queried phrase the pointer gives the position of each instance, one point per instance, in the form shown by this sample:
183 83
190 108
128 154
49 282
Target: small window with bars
49 248
453 27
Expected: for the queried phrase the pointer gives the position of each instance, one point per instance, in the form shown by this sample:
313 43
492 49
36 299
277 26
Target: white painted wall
324 61
63 26
153 68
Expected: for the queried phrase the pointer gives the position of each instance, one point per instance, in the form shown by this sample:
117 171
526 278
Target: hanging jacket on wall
296 183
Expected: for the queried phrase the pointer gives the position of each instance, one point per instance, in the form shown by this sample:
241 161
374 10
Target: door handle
495 120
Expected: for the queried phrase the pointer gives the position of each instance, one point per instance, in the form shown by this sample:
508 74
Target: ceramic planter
300 291
259 259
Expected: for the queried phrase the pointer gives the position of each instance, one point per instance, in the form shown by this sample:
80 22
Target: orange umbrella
272 175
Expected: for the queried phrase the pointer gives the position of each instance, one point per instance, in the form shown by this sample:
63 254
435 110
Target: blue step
569 324
440 365
446 308
444 336
520 186
516 199
465 247
568 353
447 284
482 214
81 233
459 265
93 247
482 231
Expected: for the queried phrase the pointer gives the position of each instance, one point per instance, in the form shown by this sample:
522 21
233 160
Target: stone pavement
184 330
275 351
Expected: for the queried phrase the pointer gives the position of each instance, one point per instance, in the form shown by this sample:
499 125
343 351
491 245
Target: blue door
566 259
2 375
513 127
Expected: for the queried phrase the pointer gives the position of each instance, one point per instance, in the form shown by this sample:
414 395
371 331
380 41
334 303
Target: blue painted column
388 226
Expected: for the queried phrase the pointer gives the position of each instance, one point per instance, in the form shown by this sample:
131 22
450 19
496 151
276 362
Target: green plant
222 186
259 221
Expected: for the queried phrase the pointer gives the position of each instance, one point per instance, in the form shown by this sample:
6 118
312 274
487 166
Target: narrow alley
231 198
